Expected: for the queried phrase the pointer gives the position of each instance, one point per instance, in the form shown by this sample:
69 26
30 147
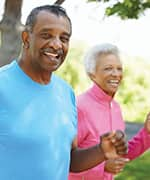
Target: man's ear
25 39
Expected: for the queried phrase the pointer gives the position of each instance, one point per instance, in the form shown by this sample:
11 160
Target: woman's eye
108 69
120 69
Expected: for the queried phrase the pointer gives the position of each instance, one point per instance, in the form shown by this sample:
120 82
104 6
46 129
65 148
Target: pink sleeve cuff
138 144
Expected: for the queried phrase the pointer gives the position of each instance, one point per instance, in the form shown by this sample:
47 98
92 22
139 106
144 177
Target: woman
98 112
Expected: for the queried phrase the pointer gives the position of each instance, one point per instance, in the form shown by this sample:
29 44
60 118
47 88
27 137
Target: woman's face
108 73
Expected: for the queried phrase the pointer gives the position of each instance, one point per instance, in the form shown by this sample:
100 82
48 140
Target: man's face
108 73
49 41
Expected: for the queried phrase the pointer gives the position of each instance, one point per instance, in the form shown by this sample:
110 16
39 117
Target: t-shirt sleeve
74 109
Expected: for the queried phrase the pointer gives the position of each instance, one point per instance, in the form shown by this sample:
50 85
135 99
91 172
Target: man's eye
45 35
65 39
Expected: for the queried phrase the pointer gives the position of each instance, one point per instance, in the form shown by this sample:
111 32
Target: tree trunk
10 28
59 2
10 31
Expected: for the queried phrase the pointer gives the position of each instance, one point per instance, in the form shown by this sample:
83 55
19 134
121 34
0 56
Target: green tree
72 69
134 91
10 28
126 9
10 25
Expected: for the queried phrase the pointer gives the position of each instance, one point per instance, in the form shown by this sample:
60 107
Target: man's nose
55 43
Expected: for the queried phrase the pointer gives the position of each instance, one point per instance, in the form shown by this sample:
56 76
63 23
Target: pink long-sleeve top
99 113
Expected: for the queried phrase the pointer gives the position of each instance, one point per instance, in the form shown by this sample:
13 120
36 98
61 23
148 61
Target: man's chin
54 68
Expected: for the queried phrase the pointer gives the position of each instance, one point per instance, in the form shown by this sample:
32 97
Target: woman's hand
115 166
147 123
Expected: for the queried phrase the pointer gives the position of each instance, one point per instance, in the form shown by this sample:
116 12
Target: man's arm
112 145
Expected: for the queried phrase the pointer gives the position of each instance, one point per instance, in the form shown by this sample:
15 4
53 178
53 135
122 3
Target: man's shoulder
6 68
63 88
62 82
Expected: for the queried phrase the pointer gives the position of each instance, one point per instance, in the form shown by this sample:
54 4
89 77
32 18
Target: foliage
126 9
12 20
72 70
137 169
134 91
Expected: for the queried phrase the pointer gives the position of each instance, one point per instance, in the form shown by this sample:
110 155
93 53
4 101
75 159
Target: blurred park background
128 28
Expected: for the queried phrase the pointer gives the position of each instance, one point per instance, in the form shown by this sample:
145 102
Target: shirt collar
99 94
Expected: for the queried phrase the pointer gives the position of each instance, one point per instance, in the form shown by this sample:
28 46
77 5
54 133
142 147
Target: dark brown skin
112 145
44 50
116 165
46 47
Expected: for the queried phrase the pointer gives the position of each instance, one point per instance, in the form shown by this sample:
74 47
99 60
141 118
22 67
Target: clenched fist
113 144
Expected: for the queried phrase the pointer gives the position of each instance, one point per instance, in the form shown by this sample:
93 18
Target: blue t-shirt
37 126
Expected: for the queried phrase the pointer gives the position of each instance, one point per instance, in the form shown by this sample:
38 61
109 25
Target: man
37 109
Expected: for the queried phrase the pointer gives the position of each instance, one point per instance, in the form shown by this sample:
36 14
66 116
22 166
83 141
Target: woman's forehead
109 58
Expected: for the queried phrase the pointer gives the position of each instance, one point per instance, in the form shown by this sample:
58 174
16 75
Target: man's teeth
50 54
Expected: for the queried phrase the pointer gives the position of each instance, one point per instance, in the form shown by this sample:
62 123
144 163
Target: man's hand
113 144
147 123
115 166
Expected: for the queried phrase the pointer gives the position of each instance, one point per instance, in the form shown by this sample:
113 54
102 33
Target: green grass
138 169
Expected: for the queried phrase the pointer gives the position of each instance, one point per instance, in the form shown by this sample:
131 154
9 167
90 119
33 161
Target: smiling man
38 120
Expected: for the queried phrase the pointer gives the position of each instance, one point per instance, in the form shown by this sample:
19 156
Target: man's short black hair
54 9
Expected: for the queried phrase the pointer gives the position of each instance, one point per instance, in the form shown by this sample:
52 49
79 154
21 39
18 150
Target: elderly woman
98 112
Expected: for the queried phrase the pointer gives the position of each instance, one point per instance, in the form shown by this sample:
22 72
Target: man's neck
42 77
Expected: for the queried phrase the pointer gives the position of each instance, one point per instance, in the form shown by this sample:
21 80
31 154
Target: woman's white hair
96 51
